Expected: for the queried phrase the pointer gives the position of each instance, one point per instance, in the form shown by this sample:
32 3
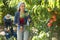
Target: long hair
19 4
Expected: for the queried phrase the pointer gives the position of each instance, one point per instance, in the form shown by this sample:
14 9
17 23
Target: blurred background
42 12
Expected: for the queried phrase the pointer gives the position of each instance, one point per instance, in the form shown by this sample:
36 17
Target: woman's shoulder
17 13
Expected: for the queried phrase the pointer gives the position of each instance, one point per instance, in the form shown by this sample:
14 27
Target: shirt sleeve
16 18
29 17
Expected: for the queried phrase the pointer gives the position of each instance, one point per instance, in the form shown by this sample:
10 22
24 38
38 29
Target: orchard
45 17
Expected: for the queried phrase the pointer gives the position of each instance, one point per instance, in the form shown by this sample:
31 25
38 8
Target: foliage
42 36
39 11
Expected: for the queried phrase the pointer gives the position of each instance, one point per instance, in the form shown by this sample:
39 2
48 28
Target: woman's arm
28 19
16 18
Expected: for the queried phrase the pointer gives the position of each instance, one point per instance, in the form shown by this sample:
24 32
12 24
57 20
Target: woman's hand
21 28
29 19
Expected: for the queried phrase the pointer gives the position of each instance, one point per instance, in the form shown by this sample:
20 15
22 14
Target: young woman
22 19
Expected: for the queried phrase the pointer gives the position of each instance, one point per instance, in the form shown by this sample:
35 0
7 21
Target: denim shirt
17 16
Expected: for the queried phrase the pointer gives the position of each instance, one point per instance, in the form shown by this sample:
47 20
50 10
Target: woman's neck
21 11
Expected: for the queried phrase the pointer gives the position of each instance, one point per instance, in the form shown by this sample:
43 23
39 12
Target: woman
8 26
22 19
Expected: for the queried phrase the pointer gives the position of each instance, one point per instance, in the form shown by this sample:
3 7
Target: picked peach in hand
29 19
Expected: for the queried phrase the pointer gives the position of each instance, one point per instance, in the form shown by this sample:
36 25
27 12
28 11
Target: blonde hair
19 4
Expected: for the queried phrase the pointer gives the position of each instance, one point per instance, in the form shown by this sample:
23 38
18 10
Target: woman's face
22 7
